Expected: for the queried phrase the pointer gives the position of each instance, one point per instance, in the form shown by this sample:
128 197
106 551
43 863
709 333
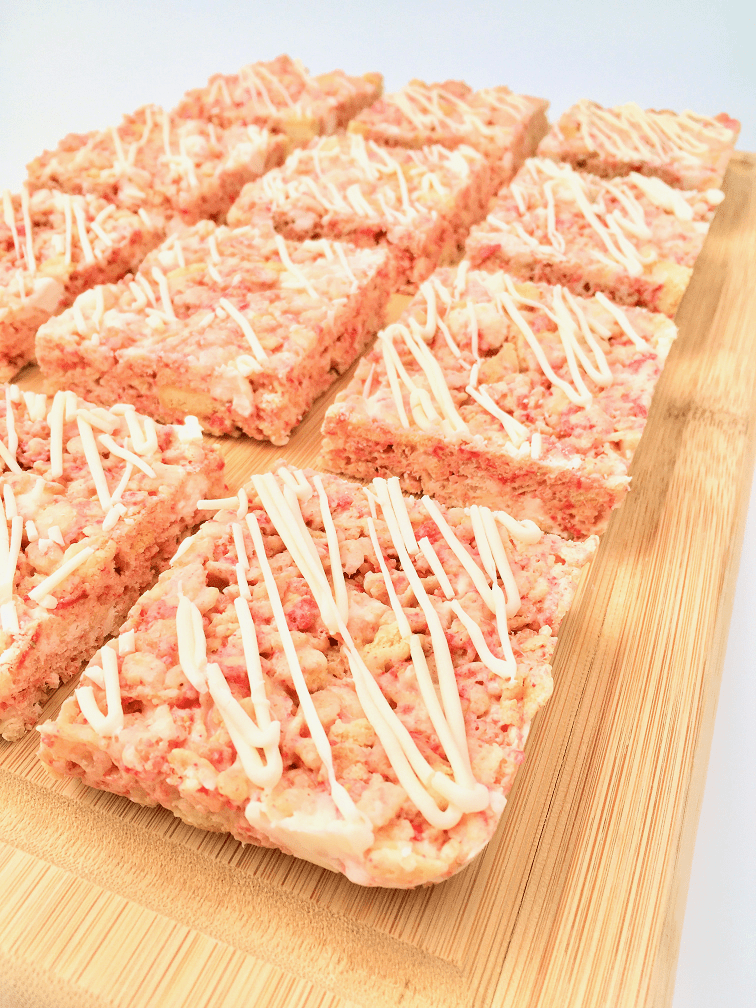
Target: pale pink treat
635 238
507 394
53 247
336 671
687 151
503 126
93 504
420 204
181 170
282 97
237 327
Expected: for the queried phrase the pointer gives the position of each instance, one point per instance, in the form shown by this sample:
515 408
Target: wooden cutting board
578 900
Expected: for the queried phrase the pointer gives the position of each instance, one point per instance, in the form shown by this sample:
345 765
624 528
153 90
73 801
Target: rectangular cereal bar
685 150
179 170
237 327
93 503
52 247
505 127
503 393
333 670
419 203
282 97
635 238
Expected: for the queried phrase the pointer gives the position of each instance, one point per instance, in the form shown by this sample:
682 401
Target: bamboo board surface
578 900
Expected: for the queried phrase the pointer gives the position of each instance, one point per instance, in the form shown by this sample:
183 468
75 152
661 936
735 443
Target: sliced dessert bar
635 239
419 203
52 247
282 97
507 394
237 327
503 126
94 503
182 170
687 151
336 671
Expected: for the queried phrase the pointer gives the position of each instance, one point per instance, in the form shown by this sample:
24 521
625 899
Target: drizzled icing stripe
31 264
340 795
112 722
10 219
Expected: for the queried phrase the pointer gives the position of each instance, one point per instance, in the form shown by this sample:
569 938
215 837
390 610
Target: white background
75 66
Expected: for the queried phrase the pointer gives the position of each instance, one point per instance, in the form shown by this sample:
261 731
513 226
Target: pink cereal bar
237 327
94 503
52 247
282 97
419 203
505 127
687 151
179 170
507 394
336 671
635 239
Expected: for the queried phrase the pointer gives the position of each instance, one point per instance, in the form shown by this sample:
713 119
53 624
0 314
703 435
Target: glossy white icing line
430 368
55 419
477 576
337 571
10 548
94 462
246 735
10 219
31 264
514 430
257 349
285 513
112 722
340 796
622 319
81 228
293 269
53 580
191 643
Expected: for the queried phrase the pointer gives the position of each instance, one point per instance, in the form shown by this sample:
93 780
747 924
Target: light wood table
577 902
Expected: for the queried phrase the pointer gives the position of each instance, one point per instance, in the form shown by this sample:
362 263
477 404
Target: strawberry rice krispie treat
419 203
503 126
179 170
93 503
235 326
52 247
282 97
635 238
333 670
507 394
687 151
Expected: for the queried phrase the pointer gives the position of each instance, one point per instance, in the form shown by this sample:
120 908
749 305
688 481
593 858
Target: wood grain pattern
578 899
